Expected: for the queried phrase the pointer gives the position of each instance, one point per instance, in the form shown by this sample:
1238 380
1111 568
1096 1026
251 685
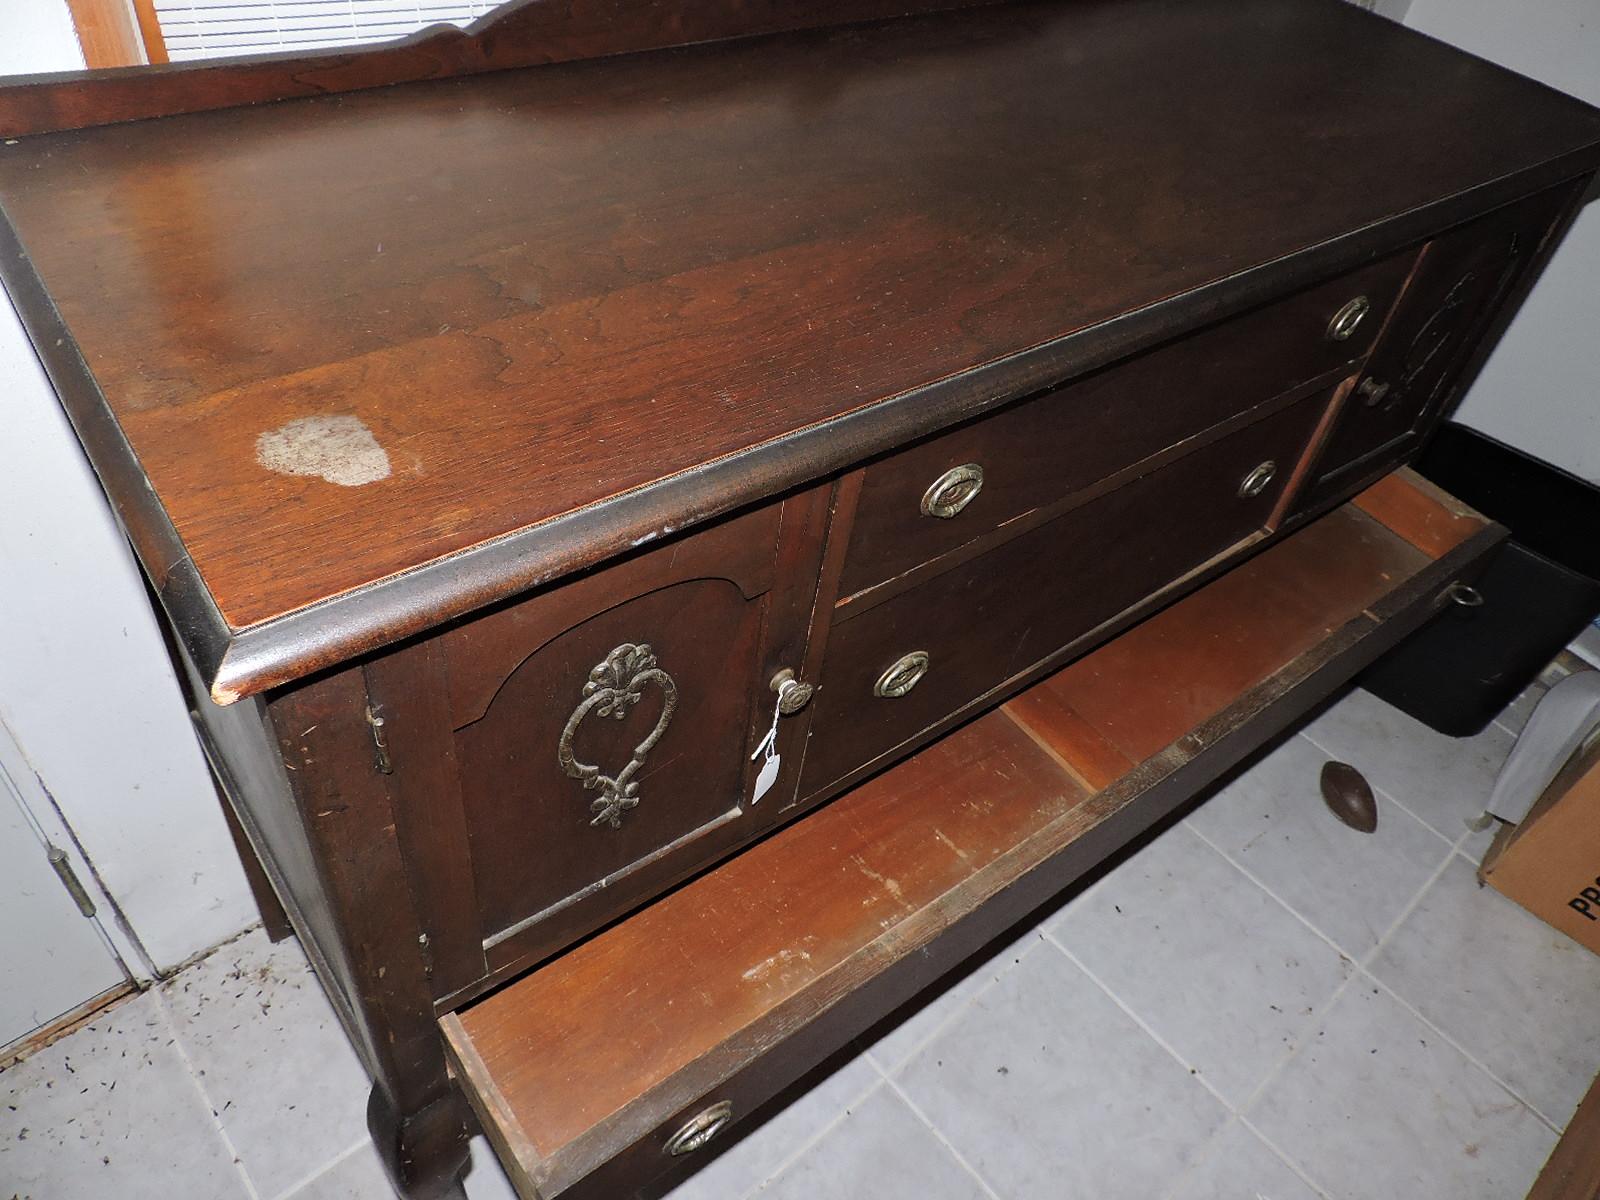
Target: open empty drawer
606 1067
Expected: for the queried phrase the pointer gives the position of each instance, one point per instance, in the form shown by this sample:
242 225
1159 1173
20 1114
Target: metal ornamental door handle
903 675
1372 392
1255 483
953 491
700 1129
616 685
793 698
1348 319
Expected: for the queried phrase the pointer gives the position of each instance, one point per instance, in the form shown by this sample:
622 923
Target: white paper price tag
768 775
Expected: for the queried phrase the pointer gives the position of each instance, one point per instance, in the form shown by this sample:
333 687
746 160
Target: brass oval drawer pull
903 675
700 1129
1256 482
952 491
1348 319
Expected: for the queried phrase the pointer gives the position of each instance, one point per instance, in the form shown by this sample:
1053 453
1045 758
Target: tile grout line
958 1011
1369 959
1424 822
1312 1022
1404 915
1282 903
1194 1071
1208 1153
1461 847
1301 1036
1474 863
1360 971
1285 1159
1234 1112
807 1143
1244 1122
1460 1049
1381 791
1238 1112
1357 971
205 1098
1453 848
347 1153
916 1110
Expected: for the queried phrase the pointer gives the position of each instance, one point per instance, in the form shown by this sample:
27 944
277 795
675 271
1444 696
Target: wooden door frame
118 33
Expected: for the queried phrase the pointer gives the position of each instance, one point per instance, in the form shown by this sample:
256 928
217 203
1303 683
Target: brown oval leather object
1349 796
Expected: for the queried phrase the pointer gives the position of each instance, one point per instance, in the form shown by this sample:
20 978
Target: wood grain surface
721 972
517 33
539 314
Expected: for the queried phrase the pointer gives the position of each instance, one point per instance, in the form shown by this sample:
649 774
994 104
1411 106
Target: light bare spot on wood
339 449
782 958
891 886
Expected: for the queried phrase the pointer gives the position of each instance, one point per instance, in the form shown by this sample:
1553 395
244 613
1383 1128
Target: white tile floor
1259 1003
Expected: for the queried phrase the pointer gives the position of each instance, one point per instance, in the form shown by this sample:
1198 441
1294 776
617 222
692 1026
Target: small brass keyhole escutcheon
953 491
903 675
1256 482
1348 319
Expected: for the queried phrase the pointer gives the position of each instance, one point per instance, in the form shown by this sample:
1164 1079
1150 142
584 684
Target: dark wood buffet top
609 479
388 356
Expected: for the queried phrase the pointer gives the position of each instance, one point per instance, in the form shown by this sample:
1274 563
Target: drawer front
922 502
1459 284
894 669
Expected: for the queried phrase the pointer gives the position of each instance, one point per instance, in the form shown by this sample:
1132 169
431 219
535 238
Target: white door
53 958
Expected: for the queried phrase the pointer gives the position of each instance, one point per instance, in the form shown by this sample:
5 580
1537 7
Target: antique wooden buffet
568 451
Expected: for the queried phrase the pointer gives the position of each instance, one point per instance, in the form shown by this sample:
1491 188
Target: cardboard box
1550 863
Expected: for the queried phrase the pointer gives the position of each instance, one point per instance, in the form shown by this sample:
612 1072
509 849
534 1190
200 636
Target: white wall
88 692
1540 390
85 685
37 35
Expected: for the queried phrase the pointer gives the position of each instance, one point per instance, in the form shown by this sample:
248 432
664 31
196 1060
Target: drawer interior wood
583 1068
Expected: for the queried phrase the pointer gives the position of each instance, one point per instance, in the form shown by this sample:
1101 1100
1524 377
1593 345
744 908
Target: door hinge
69 879
380 742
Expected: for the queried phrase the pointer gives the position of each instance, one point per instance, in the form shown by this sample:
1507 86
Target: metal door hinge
69 879
380 743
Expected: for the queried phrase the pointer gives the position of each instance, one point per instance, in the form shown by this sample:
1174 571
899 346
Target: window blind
218 28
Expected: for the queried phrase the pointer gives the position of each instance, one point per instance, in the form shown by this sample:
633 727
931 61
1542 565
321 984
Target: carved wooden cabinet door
603 738
1455 294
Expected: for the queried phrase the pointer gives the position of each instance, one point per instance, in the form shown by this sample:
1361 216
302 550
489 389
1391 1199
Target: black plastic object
1459 671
